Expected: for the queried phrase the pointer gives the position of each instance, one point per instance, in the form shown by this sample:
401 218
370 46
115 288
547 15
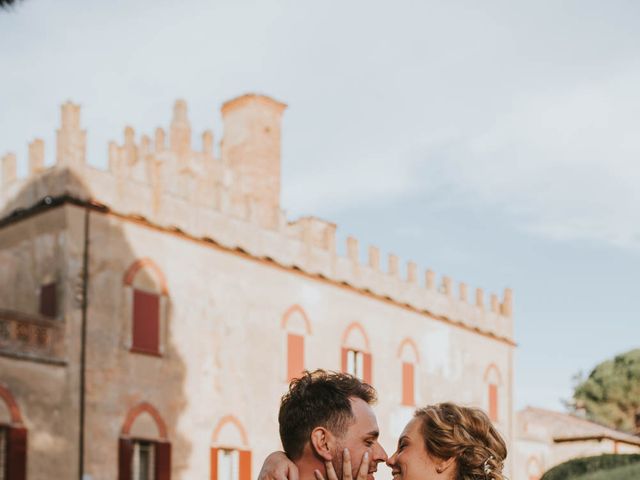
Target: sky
495 142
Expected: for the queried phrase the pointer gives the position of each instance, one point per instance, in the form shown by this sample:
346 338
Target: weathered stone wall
225 350
43 378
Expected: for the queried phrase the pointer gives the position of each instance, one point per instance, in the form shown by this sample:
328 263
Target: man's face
361 436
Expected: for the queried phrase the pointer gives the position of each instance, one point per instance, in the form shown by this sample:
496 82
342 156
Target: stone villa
151 315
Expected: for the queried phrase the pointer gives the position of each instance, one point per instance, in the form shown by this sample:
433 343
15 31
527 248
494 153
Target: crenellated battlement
234 200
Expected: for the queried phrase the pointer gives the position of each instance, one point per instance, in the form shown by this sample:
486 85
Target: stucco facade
545 438
234 287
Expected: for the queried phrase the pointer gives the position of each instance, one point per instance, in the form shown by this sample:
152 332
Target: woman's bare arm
277 466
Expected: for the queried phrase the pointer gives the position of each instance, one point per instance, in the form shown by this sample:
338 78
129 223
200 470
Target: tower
251 150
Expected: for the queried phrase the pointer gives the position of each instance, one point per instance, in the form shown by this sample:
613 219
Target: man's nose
378 455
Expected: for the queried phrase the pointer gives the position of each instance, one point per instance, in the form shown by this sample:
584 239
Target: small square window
48 300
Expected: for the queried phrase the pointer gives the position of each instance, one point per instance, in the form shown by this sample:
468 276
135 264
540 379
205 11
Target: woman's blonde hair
466 434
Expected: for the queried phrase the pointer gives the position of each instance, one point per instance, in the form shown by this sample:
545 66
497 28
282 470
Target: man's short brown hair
318 399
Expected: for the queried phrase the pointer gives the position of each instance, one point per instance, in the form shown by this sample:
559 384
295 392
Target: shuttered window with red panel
144 459
163 460
13 453
295 355
146 322
48 300
493 402
357 363
408 384
230 464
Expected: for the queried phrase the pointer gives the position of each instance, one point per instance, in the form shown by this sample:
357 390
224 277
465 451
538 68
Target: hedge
574 469
628 472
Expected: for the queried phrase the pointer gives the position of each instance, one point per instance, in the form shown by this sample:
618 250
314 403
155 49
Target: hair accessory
486 467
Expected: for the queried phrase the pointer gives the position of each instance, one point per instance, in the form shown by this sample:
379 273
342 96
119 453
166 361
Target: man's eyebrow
373 433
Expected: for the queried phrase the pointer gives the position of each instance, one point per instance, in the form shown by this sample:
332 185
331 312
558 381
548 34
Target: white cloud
566 164
469 104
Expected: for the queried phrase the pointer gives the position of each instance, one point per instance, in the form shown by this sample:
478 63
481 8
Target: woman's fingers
347 474
363 471
346 465
331 473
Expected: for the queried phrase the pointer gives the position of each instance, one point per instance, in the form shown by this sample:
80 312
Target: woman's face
411 460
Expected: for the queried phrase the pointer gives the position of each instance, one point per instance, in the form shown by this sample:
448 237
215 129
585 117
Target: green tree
611 393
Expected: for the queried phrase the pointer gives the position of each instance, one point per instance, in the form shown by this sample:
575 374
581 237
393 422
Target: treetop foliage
611 393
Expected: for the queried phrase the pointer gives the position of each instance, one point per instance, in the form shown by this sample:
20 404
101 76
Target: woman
441 442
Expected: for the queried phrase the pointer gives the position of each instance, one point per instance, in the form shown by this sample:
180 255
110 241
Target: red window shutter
163 460
146 322
408 384
345 354
295 356
48 300
214 464
493 402
245 465
16 467
125 452
366 368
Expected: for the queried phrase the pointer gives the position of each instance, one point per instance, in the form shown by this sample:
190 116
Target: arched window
409 357
297 326
146 290
13 439
230 453
356 354
144 451
493 382
534 469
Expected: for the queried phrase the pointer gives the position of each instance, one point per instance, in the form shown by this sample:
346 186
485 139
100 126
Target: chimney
251 148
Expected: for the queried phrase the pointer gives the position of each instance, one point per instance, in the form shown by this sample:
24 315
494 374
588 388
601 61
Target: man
324 413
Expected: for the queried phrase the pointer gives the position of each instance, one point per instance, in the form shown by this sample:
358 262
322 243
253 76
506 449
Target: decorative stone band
31 336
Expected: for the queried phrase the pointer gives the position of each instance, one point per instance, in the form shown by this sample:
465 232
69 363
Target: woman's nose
391 460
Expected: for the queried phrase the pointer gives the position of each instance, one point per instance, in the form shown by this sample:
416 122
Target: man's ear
322 443
445 464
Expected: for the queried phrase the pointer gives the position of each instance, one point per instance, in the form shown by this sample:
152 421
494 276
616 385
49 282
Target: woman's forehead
412 429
